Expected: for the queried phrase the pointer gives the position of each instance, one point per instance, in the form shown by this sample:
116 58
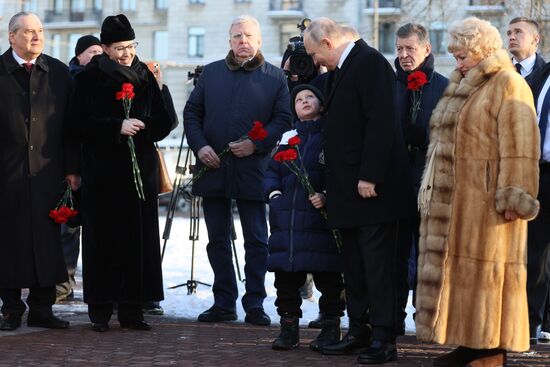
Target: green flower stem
127 104
135 168
306 183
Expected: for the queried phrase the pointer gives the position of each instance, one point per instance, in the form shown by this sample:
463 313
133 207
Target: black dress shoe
350 344
378 352
46 321
10 322
257 316
100 327
217 314
135 325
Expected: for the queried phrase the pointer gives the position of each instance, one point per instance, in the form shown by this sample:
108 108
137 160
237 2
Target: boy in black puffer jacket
300 241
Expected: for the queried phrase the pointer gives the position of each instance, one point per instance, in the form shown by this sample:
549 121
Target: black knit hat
116 28
297 89
84 42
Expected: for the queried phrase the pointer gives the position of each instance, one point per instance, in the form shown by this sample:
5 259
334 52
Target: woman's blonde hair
475 36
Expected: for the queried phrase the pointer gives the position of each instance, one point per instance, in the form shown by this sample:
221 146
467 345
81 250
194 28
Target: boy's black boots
330 334
290 334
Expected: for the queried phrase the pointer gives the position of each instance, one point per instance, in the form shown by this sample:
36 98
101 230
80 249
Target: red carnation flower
295 140
416 80
257 132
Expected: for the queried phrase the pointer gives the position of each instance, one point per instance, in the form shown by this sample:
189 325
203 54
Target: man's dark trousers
217 215
369 255
537 260
40 300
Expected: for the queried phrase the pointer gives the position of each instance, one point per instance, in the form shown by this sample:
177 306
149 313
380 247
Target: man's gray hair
409 29
324 28
14 21
245 19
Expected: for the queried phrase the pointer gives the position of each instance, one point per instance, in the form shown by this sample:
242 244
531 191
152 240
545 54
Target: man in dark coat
231 94
538 239
37 160
523 41
414 54
367 184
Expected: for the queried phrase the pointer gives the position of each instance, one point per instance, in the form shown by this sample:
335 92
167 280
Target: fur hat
297 89
84 42
116 28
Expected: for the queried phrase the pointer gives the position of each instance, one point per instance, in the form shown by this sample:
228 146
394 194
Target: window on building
161 4
385 3
73 38
160 51
128 5
386 38
195 42
78 6
286 31
30 5
58 6
437 36
98 4
55 49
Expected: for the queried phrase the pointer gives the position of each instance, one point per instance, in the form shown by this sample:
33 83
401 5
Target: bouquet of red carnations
64 209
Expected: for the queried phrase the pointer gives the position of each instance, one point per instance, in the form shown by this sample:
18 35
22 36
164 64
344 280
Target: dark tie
27 66
543 119
518 68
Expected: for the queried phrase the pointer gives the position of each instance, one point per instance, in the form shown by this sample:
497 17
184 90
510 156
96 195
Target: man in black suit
523 41
367 184
538 250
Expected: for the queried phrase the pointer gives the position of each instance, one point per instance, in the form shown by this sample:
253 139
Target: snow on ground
177 270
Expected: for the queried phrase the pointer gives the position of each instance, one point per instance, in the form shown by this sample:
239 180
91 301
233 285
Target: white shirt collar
527 65
345 54
20 60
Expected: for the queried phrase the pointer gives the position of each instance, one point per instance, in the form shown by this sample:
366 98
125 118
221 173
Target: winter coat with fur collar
471 287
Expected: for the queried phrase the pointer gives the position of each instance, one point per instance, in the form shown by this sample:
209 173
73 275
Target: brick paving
181 342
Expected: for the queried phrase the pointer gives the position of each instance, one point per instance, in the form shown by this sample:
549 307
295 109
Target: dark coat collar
427 68
11 65
332 82
250 65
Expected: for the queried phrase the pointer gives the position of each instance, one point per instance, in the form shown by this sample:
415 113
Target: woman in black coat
121 248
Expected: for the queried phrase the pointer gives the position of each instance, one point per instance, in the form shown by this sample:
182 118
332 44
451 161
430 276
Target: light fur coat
471 287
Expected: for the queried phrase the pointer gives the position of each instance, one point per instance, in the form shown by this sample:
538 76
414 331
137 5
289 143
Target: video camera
301 64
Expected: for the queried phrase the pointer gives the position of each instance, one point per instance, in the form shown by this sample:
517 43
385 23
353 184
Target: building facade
182 34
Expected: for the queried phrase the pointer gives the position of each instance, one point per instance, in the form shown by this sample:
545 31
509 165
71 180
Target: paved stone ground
180 342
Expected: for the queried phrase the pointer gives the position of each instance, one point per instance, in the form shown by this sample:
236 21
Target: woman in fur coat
479 190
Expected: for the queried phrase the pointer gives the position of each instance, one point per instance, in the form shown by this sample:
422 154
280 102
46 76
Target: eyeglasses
130 47
238 36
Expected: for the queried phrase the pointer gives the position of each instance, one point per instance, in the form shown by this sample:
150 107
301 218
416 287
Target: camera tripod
181 188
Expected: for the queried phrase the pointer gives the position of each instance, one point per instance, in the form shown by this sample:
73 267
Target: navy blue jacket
300 239
226 101
416 134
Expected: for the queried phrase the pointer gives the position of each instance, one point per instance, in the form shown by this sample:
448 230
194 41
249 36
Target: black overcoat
364 142
35 155
120 232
